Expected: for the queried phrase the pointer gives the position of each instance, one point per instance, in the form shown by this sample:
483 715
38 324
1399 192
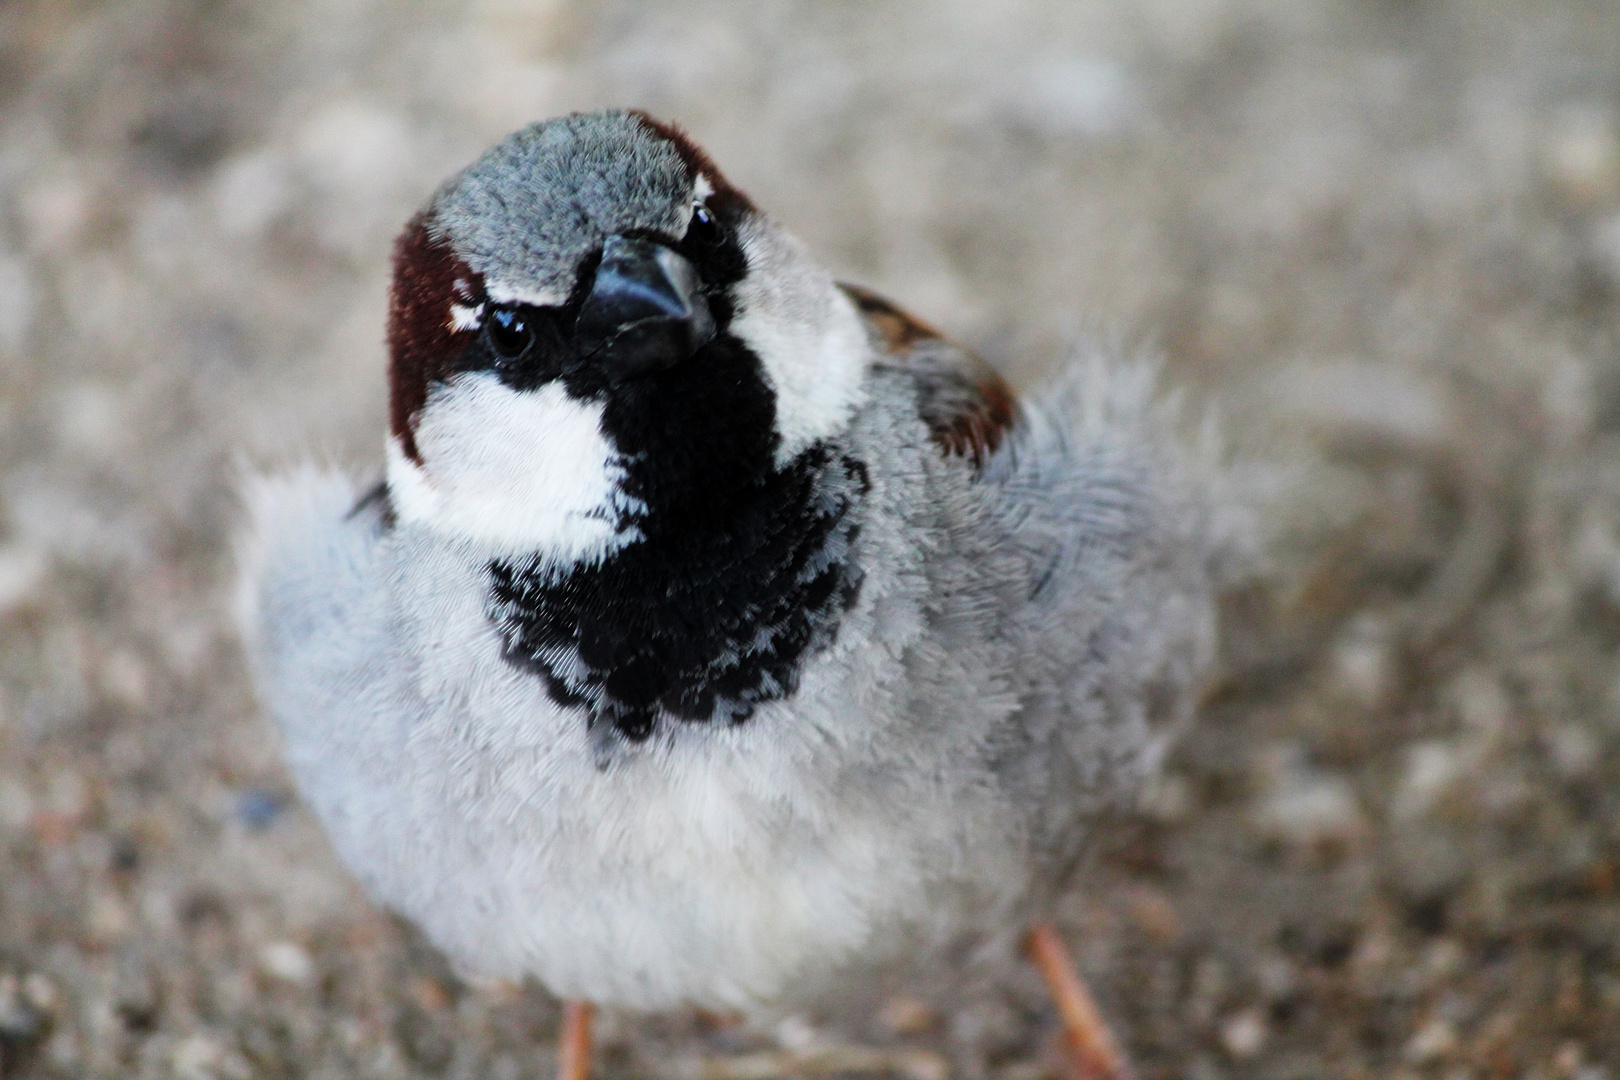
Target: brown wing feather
967 406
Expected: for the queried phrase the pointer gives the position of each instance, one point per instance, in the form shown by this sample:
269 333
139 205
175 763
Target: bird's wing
967 406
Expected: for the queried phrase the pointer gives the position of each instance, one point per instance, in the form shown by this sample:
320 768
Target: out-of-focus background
1382 235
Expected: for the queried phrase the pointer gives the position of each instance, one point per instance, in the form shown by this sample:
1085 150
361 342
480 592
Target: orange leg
574 1047
1092 1052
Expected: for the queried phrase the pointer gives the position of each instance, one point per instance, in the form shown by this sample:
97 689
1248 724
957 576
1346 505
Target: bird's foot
1090 1047
574 1045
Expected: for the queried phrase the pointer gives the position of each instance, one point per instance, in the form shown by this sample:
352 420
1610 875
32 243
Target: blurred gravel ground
1383 235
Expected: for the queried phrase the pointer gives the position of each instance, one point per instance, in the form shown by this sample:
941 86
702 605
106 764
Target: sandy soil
1382 235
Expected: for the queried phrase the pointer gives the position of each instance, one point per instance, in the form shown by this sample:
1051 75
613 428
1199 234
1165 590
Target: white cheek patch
807 335
523 471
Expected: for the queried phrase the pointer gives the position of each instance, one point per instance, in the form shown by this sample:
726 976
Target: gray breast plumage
920 792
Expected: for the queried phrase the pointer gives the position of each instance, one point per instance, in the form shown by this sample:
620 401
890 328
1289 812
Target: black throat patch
743 572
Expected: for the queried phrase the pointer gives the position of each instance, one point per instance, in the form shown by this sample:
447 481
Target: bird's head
589 329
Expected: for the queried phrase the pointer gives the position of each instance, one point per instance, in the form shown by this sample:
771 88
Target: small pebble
123 855
1155 914
798 1035
903 1015
1603 247
1374 954
250 191
1302 807
1504 793
1278 977
429 993
67 794
1168 799
22 572
1482 702
40 992
1569 1059
1435 1039
1209 985
65 1051
66 804
1364 661
123 679
92 417
1431 770
1073 96
1244 1034
1024 1070
1381 403
1444 958
108 918
16 804
1582 155
287 961
55 210
198 1057
23 1021
17 305
258 809
1574 750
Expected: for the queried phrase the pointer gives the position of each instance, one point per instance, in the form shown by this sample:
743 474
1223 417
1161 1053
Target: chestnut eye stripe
432 312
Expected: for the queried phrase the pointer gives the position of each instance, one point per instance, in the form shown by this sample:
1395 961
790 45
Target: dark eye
510 332
703 228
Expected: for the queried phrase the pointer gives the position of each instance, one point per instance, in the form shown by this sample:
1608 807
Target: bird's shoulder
967 406
307 560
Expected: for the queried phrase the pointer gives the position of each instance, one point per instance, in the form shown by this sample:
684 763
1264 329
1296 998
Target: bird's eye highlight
510 333
703 229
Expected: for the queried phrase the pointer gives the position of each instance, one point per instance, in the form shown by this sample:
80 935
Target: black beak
646 311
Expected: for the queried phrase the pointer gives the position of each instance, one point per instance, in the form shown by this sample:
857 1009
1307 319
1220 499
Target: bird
719 635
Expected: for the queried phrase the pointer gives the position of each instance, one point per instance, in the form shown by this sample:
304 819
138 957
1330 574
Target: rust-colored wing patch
967 406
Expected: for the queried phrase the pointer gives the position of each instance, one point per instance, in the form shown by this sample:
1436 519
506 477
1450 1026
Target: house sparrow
720 635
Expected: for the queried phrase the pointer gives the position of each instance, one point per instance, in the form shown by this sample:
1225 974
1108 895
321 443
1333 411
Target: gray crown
542 199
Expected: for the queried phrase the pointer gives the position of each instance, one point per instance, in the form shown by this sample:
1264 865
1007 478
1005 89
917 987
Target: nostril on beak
646 310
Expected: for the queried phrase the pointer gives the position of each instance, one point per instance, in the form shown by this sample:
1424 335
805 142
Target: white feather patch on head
500 292
702 188
523 471
806 333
